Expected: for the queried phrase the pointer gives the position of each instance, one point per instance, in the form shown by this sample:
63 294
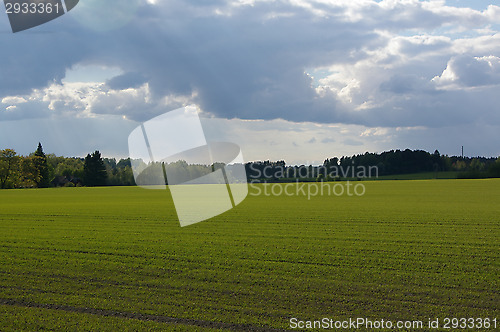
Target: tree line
416 161
40 170
371 165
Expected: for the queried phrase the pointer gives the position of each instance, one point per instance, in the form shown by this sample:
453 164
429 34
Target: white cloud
467 71
14 100
375 132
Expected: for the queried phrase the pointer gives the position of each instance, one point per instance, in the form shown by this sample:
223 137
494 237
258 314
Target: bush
494 170
472 175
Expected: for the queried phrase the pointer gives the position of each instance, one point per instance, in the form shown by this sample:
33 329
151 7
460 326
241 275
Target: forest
40 170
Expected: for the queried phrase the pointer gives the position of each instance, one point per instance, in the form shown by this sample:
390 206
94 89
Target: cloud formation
379 64
466 71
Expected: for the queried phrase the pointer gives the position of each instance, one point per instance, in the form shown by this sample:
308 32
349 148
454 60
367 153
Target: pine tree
94 170
42 178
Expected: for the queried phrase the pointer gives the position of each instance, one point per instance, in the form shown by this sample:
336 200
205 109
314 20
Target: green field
106 259
420 176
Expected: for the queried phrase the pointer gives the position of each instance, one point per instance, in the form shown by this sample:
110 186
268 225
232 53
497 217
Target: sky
295 80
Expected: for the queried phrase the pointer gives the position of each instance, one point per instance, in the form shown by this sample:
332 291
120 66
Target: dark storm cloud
126 81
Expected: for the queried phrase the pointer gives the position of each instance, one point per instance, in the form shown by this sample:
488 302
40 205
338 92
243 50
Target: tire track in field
138 316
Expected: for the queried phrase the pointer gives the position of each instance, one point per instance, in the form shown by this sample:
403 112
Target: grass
421 176
105 259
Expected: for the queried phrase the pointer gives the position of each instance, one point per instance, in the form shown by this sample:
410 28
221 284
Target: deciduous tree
9 161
